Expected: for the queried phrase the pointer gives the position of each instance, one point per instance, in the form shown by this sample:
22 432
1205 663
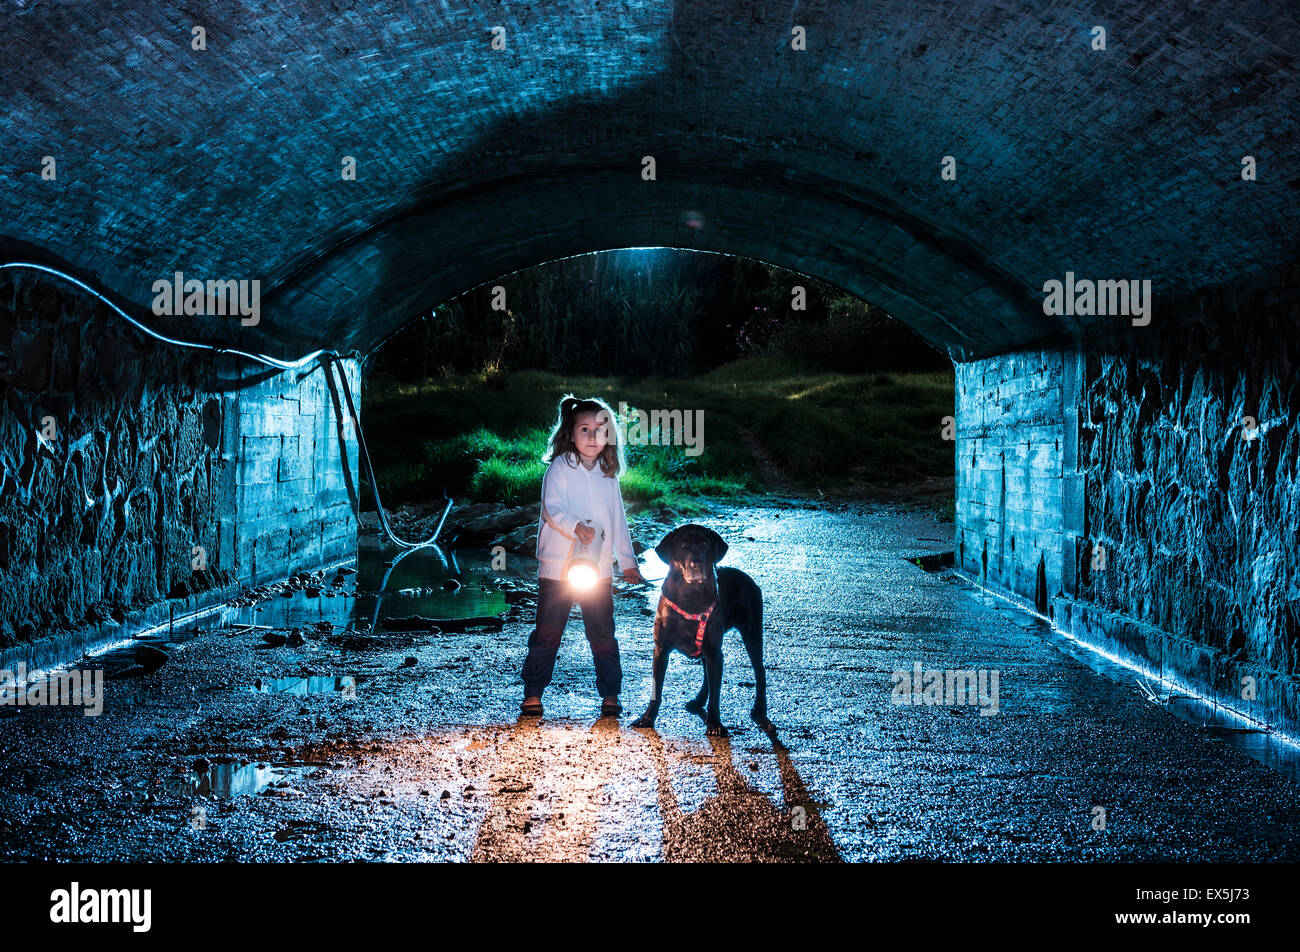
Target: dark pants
554 600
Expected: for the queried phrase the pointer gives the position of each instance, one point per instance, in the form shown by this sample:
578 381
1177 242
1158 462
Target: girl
581 502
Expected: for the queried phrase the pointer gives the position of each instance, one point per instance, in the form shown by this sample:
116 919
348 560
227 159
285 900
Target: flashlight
582 570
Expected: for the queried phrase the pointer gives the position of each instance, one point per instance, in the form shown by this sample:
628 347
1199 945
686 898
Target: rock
451 585
410 662
275 639
296 639
459 516
522 541
487 527
311 591
201 765
446 795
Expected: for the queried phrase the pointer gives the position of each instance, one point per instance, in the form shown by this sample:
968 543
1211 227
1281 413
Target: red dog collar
701 617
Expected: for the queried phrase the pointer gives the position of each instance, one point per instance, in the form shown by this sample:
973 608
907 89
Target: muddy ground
382 745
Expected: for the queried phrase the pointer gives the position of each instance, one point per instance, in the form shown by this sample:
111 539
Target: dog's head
693 551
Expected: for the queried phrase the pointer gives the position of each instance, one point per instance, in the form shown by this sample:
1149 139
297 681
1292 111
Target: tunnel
1092 213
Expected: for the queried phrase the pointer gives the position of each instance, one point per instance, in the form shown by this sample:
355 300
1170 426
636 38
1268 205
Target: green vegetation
481 436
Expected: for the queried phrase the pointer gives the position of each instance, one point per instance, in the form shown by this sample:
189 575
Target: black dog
701 603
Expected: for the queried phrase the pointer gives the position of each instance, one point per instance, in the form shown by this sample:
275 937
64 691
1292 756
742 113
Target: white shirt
571 494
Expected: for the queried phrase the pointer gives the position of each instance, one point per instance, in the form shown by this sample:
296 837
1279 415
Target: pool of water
399 583
346 685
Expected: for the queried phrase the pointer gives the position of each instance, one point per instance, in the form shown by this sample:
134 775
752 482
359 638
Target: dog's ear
665 547
719 545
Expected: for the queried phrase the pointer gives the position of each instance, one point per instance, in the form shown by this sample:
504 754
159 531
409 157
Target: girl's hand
585 534
632 575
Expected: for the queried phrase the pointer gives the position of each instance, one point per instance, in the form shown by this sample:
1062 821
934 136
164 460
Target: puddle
384 583
394 583
235 780
346 685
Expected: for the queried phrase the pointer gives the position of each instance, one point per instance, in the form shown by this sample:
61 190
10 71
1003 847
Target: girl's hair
611 458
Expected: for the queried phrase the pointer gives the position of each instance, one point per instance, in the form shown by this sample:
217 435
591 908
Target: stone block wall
295 476
1009 434
109 466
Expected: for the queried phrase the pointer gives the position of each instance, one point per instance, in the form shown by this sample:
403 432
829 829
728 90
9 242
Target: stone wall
108 462
1192 515
1122 489
1009 523
293 492
132 472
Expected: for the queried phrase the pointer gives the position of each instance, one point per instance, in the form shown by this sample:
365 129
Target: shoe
610 710
532 707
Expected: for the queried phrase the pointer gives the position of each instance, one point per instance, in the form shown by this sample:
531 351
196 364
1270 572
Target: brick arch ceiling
472 163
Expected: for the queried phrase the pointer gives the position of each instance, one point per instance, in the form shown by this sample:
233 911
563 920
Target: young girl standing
581 504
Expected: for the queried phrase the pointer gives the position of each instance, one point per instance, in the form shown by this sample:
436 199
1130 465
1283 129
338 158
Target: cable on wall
326 357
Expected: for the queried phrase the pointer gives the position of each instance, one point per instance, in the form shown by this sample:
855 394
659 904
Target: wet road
339 748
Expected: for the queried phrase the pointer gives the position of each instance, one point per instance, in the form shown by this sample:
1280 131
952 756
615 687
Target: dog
699 604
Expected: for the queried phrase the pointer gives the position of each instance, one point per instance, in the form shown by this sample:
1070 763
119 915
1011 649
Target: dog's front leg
696 705
660 669
713 676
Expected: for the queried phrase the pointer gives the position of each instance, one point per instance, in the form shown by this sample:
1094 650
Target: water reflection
398 583
347 685
237 780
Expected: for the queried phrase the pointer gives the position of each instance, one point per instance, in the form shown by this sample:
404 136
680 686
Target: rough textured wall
101 517
154 450
1008 472
1201 527
1167 528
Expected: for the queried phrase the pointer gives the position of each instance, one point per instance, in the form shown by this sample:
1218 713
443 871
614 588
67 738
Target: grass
481 436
